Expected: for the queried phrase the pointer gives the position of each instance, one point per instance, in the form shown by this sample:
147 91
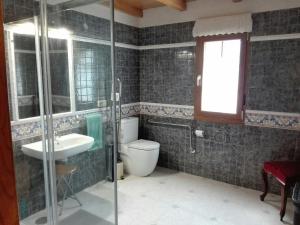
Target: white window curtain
223 25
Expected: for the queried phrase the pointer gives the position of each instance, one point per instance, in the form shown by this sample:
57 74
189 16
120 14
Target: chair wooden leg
284 195
266 185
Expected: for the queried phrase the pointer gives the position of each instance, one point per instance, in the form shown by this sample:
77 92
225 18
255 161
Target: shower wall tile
265 23
18 9
126 34
127 69
273 79
92 74
274 76
166 34
92 71
276 22
167 75
94 27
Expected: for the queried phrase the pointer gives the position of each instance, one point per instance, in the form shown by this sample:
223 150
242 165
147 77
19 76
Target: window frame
216 116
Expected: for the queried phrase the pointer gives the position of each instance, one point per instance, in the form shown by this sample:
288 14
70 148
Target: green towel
95 130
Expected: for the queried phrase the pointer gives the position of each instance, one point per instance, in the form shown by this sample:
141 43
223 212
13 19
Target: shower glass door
62 106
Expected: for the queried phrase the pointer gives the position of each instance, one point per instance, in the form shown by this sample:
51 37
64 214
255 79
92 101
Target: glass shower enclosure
60 73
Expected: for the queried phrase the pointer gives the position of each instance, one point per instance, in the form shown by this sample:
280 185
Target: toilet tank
129 130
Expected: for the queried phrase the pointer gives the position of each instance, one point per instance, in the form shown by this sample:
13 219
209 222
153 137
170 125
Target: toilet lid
144 145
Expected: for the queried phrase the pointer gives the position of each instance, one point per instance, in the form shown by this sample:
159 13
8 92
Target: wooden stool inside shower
64 174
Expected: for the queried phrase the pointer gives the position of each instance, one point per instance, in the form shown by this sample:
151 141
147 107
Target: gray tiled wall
274 76
94 27
92 74
127 69
167 75
166 34
18 9
229 153
276 22
127 61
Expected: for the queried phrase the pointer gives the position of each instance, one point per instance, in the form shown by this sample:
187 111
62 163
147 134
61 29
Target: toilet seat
144 145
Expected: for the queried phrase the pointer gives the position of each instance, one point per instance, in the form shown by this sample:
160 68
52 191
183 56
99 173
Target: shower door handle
198 80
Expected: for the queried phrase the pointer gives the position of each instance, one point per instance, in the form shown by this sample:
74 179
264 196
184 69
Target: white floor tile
172 198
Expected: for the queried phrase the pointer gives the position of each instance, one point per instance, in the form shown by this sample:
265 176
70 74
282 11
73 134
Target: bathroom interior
149 112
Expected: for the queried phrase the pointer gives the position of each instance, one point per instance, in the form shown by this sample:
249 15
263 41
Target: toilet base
140 163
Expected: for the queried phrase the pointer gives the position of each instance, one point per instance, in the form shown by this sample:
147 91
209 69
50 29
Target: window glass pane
221 76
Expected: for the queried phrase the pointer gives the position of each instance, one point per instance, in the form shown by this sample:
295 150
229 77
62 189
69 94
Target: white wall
104 12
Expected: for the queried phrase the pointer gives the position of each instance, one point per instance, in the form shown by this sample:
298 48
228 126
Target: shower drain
41 220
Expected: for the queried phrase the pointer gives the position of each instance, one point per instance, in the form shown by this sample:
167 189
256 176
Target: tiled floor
169 198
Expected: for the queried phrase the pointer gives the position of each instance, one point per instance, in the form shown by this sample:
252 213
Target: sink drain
41 220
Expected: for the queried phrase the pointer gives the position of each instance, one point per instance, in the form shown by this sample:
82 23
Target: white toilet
139 156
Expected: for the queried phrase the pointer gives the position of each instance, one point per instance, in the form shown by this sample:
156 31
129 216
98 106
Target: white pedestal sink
65 146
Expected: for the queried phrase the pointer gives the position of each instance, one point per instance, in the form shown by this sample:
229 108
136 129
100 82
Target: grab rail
192 150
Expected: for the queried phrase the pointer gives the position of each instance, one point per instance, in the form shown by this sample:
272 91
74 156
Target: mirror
59 71
26 76
79 69
25 69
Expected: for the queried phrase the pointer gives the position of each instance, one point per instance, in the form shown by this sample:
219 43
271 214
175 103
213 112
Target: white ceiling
195 9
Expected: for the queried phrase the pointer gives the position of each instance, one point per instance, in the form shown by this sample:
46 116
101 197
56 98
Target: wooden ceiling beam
127 8
176 4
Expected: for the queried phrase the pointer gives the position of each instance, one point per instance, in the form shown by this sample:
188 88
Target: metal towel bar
192 150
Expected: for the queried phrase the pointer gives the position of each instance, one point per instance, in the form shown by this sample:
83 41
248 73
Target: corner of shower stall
60 73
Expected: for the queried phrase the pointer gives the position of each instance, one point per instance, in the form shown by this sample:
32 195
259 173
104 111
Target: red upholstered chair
287 173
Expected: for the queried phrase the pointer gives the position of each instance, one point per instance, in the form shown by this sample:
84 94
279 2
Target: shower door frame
8 193
47 116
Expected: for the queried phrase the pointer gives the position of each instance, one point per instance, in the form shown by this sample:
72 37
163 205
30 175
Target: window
221 65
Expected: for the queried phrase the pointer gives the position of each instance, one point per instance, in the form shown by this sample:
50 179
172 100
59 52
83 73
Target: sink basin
65 146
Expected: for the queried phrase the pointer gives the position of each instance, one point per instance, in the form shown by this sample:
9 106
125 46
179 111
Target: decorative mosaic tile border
290 121
166 110
130 109
32 128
